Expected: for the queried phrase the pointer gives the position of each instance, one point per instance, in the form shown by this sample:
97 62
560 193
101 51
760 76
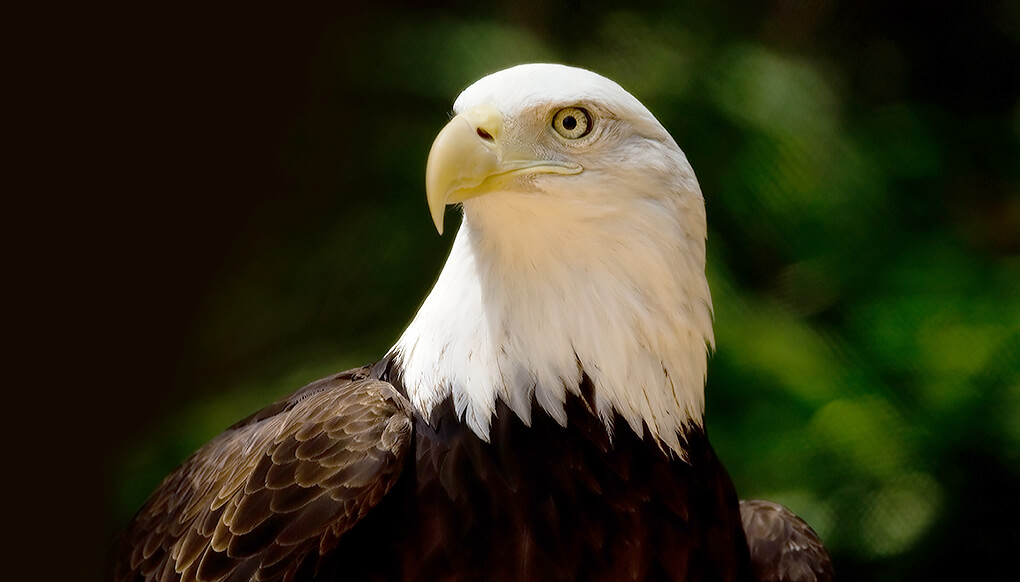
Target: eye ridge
572 122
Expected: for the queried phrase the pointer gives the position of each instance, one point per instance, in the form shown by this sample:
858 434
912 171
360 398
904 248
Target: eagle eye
572 122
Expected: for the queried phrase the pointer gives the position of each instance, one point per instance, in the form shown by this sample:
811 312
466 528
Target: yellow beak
472 157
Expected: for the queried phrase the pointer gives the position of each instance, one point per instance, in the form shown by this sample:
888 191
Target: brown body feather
274 490
320 486
783 546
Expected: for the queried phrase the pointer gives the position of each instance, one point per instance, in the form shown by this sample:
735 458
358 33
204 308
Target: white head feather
601 272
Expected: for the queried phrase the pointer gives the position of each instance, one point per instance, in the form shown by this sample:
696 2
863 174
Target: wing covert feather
277 487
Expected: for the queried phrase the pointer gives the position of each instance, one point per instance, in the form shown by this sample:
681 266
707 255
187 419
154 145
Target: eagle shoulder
783 546
277 489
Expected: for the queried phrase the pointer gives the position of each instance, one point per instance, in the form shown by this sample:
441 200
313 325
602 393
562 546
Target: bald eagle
540 418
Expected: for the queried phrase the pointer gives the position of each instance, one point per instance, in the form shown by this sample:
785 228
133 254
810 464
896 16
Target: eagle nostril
484 134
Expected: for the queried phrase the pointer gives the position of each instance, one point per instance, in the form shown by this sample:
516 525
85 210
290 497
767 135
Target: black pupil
569 122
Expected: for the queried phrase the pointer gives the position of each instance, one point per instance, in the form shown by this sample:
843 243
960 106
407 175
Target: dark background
231 205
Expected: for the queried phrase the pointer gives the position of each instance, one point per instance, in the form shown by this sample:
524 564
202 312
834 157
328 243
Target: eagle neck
522 314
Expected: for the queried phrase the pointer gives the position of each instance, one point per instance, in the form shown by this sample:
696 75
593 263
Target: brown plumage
274 489
783 546
320 486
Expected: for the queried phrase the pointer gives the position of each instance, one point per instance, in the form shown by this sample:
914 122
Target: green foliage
863 258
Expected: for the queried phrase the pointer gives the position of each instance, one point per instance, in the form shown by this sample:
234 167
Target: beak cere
471 157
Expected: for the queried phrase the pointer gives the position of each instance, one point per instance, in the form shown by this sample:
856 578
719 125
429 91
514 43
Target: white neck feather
538 290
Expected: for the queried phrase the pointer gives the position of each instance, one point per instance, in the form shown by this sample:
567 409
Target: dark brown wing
783 546
275 490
